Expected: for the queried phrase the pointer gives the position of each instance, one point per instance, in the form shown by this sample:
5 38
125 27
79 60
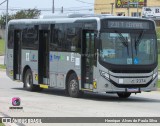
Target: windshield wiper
137 42
123 40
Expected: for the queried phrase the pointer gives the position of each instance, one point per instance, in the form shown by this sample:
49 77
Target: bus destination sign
128 24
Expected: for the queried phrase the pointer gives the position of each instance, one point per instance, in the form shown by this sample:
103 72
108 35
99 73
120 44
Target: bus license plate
132 89
138 81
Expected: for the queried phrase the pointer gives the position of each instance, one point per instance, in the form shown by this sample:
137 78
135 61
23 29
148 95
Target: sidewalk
1 59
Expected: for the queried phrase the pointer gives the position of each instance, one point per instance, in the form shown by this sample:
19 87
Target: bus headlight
154 75
104 74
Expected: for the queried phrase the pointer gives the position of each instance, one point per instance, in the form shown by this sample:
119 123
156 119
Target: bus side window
10 39
54 40
73 38
30 38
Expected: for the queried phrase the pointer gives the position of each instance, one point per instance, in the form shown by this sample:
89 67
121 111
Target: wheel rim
73 86
28 80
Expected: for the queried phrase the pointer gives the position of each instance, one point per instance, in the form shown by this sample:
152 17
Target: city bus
83 53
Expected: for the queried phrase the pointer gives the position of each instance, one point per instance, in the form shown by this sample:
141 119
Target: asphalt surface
54 103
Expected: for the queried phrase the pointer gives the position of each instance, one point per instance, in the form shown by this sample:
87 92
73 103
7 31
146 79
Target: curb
3 70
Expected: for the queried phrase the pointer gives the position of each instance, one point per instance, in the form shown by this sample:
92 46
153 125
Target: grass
158 83
2 67
159 61
2 47
1 124
158 32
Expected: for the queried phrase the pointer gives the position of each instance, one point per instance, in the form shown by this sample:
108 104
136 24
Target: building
123 7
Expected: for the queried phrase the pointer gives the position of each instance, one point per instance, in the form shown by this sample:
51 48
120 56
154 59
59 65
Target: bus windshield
128 48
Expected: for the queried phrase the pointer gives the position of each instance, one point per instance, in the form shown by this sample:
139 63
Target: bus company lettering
55 57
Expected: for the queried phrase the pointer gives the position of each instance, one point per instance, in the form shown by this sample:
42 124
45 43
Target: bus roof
71 19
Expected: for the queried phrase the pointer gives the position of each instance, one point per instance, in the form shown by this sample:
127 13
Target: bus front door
87 58
43 56
17 55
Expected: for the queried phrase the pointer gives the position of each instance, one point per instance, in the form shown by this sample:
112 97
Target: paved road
54 103
1 59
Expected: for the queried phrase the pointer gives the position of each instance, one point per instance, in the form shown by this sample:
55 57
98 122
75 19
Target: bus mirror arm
97 43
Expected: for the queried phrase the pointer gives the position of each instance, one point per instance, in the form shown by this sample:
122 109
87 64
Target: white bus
93 53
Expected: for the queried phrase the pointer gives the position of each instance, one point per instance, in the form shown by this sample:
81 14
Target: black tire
73 86
123 94
28 82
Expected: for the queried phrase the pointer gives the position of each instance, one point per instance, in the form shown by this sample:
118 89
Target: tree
3 20
22 14
27 14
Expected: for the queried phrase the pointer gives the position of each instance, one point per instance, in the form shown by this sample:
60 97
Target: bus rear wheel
73 86
28 82
123 94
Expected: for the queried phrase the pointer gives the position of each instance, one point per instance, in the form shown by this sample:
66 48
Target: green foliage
2 66
3 19
158 83
1 124
2 48
158 32
27 14
22 14
159 61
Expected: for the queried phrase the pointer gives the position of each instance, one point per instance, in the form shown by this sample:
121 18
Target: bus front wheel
73 86
123 94
28 82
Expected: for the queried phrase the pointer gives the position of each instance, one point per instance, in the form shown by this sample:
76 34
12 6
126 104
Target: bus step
88 86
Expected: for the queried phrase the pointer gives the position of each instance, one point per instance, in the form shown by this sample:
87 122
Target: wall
104 6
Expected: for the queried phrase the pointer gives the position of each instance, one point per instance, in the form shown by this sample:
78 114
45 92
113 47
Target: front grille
131 71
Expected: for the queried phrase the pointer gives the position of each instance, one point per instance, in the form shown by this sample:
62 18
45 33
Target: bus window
54 39
73 38
30 38
10 39
66 37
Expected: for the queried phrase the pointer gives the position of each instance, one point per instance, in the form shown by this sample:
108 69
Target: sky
70 6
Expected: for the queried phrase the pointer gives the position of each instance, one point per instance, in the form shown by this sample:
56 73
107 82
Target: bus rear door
43 54
17 55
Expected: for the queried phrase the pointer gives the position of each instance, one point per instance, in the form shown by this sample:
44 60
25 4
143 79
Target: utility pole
6 31
137 8
53 7
112 7
7 14
128 7
62 9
